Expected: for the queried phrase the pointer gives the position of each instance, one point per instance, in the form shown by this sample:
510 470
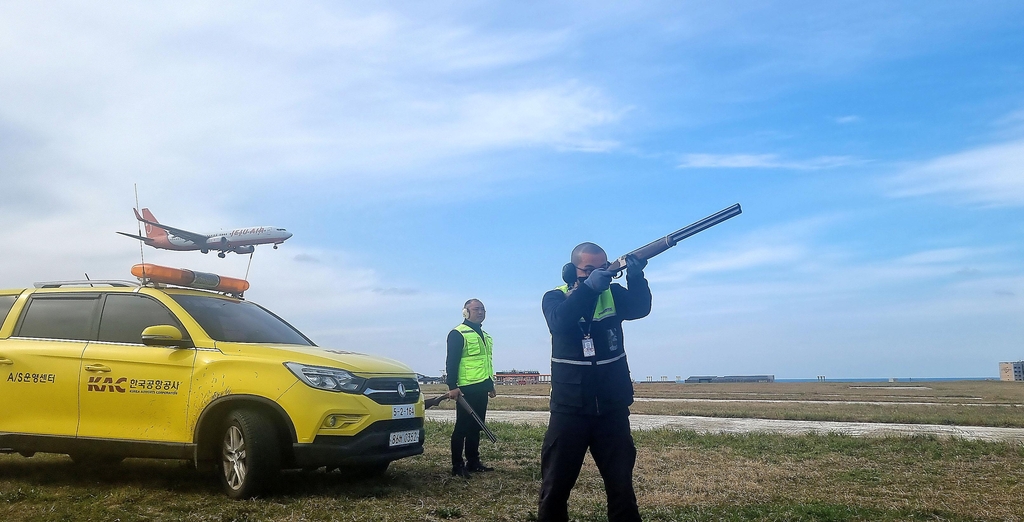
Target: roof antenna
246 278
142 254
87 279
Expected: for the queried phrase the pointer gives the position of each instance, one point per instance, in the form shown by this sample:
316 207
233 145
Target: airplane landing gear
205 251
221 255
275 247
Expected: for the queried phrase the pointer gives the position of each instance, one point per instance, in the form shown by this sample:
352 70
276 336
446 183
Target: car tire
249 454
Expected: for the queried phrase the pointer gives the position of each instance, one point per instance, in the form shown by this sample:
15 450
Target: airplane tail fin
151 231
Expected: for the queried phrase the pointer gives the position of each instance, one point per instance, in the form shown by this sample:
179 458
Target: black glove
635 266
599 280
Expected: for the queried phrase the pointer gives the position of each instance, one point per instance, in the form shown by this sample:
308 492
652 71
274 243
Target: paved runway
806 401
788 427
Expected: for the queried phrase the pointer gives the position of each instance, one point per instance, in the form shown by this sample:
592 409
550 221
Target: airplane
239 240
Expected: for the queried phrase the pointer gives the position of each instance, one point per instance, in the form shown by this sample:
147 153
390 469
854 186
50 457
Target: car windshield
238 321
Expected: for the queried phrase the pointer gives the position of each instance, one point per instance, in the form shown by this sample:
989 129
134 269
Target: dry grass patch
952 479
679 476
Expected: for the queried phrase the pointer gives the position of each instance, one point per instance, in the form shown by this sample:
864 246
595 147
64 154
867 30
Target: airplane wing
133 236
198 239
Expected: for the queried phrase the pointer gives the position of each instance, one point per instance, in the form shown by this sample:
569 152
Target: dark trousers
566 443
467 431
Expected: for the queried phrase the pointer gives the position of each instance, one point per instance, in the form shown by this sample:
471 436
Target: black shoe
478 466
460 472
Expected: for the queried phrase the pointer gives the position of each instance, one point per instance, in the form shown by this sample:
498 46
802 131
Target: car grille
385 390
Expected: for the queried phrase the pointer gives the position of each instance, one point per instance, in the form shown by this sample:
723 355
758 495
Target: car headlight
324 378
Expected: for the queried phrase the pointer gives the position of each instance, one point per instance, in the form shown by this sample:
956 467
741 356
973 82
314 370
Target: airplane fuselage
238 240
226 240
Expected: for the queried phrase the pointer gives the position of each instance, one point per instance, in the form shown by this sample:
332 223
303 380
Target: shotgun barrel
660 245
469 409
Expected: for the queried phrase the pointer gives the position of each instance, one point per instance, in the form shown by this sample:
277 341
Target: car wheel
249 452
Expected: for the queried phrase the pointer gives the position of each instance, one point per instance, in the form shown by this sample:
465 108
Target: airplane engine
248 249
217 241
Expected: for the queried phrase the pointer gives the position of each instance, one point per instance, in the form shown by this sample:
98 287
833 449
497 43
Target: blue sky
427 153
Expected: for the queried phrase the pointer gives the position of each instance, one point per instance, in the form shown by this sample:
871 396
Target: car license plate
401 438
406 411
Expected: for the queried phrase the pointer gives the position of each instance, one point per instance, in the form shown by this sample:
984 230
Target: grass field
679 475
965 403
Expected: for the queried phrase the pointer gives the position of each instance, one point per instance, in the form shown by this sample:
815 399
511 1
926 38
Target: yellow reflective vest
605 306
475 365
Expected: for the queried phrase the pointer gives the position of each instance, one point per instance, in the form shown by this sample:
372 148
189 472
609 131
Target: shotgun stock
430 403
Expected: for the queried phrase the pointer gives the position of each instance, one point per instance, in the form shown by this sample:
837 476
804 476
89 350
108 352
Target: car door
128 390
40 363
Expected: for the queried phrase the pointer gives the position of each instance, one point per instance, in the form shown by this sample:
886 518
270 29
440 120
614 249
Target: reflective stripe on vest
587 363
475 365
605 307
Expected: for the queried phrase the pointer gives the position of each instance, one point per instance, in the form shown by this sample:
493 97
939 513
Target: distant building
1011 371
426 379
729 378
521 377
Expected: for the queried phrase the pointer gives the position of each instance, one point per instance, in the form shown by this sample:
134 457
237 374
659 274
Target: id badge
588 347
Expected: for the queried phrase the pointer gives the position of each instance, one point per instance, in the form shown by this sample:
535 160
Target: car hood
360 363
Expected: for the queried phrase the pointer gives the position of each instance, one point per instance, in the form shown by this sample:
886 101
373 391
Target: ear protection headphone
465 308
569 273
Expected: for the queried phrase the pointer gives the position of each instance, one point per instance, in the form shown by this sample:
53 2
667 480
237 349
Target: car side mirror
164 335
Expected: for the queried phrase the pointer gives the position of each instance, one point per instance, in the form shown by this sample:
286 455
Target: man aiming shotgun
591 388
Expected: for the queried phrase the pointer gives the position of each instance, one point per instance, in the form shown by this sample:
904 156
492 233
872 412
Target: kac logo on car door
147 386
106 384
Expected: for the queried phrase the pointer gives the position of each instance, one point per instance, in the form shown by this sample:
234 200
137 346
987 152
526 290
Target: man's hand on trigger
635 266
454 394
599 280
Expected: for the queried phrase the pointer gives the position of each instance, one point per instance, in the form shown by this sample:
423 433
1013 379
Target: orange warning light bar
183 277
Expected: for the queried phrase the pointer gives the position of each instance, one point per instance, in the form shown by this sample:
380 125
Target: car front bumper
369 446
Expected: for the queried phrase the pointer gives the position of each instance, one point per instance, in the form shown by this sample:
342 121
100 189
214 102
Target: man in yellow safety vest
469 369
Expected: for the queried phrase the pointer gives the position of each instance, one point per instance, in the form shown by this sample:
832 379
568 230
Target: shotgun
469 409
430 403
660 245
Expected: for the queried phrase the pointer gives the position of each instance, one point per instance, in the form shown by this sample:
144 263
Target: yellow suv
107 370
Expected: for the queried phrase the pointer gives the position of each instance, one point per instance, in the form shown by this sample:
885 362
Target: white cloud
189 94
939 256
991 175
761 161
843 120
1014 120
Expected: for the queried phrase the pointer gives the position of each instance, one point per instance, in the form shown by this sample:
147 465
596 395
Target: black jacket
592 389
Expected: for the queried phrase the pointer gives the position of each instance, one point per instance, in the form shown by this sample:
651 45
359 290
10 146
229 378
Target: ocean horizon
888 379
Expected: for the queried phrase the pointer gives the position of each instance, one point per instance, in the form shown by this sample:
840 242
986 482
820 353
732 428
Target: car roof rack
87 282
